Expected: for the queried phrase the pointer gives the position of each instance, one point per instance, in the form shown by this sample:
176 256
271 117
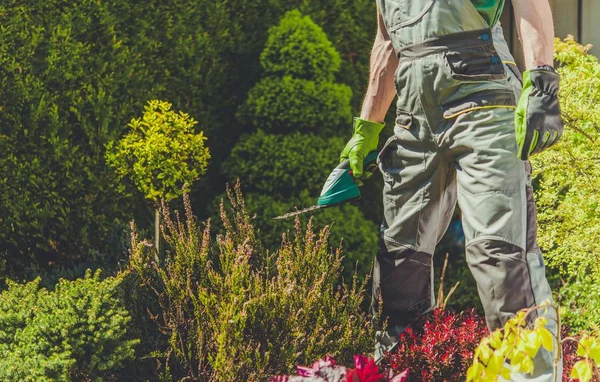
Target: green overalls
454 141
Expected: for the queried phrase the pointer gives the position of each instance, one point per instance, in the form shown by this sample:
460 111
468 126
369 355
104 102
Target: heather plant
234 311
350 231
79 331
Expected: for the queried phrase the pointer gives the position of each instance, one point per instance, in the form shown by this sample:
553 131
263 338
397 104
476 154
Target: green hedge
77 332
74 73
579 300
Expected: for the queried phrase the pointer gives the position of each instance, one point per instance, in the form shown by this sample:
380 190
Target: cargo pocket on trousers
479 63
401 162
386 158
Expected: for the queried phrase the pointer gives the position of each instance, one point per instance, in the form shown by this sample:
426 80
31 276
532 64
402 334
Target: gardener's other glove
364 140
538 124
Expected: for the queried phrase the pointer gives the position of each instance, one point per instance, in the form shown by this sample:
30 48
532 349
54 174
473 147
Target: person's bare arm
381 90
536 31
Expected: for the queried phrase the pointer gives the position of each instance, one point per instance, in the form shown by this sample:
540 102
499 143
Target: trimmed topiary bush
283 164
299 48
76 332
282 105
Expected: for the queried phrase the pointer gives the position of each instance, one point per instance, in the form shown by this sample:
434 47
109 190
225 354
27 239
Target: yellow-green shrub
78 331
567 178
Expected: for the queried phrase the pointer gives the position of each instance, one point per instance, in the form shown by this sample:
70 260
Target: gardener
466 124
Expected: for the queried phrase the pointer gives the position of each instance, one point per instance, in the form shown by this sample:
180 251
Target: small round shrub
162 154
79 329
283 164
298 47
281 105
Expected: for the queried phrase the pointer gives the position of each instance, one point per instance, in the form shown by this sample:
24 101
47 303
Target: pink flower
366 370
402 377
315 367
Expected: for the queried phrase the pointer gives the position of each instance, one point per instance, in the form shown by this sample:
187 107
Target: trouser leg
499 224
541 289
419 199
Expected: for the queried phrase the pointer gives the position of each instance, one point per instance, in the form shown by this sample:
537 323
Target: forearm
381 90
535 26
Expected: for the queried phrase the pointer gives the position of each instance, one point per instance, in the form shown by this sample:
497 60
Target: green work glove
538 124
364 140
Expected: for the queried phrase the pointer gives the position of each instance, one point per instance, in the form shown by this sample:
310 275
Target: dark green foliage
282 105
78 331
297 47
234 311
64 77
74 73
349 229
283 164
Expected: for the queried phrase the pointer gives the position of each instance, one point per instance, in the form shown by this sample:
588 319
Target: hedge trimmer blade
299 212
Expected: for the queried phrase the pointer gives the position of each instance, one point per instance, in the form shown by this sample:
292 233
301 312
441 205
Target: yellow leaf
541 322
517 359
582 370
527 365
533 341
475 371
495 364
505 373
471 373
594 352
496 339
485 352
584 344
547 339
